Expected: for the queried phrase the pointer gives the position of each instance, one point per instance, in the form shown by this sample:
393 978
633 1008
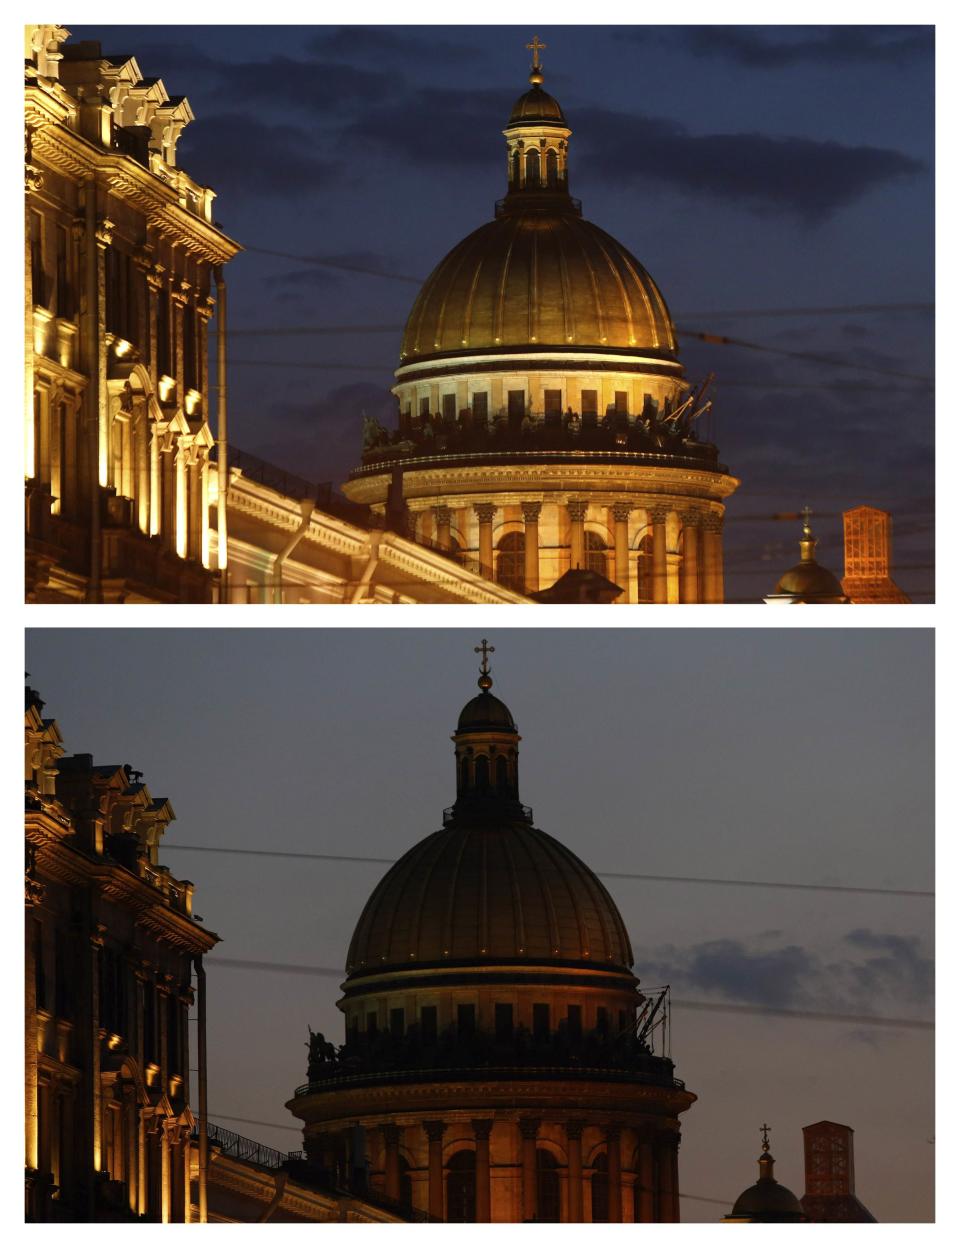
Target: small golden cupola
537 137
807 581
767 1200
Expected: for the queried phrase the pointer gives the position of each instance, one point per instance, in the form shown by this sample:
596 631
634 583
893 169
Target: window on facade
428 1022
39 970
552 174
163 333
462 1187
621 402
371 1022
575 1021
603 1021
64 1004
503 1021
533 168
645 569
541 1022
479 405
189 348
481 774
515 169
595 550
406 1184
552 403
466 1020
599 1202
38 277
150 1048
548 1187
624 1020
588 402
174 1046
397 1023
510 561
424 405
449 407
516 407
64 290
503 782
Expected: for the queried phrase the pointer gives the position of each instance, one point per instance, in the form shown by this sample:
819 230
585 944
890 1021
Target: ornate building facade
499 1064
121 247
114 964
545 423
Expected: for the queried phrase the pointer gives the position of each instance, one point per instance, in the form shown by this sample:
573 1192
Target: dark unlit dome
485 711
488 889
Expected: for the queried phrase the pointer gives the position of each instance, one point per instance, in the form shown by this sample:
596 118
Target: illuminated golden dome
541 277
538 276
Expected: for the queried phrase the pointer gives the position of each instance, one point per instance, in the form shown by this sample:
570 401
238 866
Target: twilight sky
802 756
746 167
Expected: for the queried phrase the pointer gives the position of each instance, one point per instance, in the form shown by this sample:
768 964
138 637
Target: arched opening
510 561
502 775
645 569
481 773
462 1187
464 774
533 168
548 1187
406 1184
595 552
515 169
599 1202
552 168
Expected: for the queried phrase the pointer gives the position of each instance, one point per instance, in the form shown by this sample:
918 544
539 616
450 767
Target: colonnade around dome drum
513 1166
657 550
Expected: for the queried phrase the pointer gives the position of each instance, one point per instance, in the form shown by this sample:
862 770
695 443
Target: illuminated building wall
113 968
120 246
868 553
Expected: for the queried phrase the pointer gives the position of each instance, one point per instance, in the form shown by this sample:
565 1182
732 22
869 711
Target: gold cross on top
536 48
765 1135
484 649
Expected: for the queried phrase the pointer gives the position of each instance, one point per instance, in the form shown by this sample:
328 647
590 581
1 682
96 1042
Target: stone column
485 517
142 1146
155 284
713 557
690 577
621 549
575 1171
186 1150
531 546
481 1135
435 1130
165 1175
391 1165
658 521
179 295
33 895
645 1175
577 511
442 515
675 1175
666 1168
528 1161
614 1187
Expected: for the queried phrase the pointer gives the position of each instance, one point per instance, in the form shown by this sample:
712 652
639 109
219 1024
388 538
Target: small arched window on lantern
533 168
502 774
515 169
553 176
481 774
464 774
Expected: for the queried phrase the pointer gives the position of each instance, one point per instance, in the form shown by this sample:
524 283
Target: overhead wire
610 875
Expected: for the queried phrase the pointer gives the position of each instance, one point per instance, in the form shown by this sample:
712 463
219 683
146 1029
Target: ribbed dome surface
536 105
537 279
809 579
501 889
767 1196
485 711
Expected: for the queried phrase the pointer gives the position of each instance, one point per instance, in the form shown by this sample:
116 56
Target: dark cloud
243 156
317 86
359 43
760 48
873 972
809 178
427 128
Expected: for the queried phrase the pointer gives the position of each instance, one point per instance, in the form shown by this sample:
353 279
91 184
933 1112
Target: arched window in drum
533 168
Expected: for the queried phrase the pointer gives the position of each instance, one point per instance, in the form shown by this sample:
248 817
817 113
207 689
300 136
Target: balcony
384 1058
648 438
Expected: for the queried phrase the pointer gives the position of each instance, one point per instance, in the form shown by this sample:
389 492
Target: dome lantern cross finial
536 69
486 680
765 1130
